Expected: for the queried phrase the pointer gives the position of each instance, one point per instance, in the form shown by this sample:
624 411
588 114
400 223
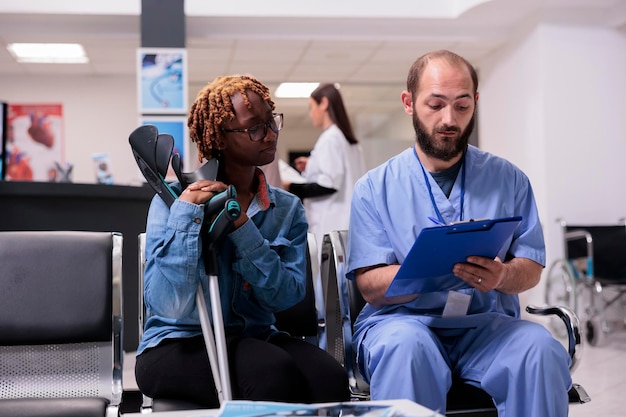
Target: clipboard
428 265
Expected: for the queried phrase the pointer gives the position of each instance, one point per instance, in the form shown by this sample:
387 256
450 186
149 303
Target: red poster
35 143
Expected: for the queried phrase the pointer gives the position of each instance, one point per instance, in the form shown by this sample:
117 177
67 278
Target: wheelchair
591 277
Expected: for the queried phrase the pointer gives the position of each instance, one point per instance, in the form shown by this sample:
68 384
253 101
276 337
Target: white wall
99 114
553 104
511 115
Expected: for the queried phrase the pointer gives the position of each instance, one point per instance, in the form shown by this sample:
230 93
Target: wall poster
35 148
162 80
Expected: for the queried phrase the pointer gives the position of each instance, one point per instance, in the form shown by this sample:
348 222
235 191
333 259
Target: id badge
457 304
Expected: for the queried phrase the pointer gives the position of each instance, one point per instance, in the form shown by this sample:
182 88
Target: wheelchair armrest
572 325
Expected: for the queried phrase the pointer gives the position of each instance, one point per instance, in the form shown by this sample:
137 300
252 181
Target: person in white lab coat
335 163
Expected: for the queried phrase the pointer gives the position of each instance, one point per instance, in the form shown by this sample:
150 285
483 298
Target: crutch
215 336
219 360
152 152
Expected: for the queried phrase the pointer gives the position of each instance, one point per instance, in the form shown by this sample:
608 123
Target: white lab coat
333 163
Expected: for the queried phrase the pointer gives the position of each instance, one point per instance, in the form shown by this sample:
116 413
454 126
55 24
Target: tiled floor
602 372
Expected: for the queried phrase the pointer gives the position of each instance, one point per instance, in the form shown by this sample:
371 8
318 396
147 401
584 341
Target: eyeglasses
258 132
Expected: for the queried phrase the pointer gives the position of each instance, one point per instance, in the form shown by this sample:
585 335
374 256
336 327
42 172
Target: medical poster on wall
35 144
162 80
177 127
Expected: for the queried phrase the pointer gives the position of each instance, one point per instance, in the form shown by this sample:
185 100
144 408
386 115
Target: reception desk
92 207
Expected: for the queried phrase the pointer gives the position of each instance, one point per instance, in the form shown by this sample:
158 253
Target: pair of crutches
152 152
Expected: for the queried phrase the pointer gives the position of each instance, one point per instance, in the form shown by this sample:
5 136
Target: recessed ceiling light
48 53
295 90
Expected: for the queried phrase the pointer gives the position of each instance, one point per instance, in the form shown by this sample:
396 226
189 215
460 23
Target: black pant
284 369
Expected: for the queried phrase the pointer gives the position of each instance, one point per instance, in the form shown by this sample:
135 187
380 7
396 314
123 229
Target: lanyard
430 191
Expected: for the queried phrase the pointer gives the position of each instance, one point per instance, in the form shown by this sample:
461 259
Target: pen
436 221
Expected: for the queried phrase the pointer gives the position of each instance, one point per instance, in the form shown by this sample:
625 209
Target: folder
428 265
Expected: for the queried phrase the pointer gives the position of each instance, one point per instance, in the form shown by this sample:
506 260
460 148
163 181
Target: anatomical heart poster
35 144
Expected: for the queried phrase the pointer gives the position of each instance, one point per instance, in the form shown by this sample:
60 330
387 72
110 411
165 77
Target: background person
408 346
261 267
300 163
335 163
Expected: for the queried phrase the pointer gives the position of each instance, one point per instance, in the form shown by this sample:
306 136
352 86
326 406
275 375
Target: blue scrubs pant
518 362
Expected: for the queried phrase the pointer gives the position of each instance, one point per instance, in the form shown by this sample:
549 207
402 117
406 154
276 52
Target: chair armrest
572 325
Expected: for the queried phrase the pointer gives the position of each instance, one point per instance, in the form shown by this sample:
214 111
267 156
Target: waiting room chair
344 302
307 318
60 323
304 320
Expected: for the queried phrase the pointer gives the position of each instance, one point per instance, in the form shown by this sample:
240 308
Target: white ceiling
368 55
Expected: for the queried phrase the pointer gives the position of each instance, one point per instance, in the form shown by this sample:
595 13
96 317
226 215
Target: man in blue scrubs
410 346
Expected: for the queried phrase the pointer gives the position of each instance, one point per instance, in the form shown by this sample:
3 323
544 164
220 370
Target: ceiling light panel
48 53
295 90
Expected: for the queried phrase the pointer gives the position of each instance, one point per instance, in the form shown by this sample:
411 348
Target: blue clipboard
428 265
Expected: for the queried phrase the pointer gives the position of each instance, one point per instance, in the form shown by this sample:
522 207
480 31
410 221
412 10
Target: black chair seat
467 400
301 319
163 404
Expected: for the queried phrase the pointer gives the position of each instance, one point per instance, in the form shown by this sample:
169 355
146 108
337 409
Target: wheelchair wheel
561 285
560 291
595 332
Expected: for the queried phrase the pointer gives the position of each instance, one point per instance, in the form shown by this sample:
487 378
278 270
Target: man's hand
512 277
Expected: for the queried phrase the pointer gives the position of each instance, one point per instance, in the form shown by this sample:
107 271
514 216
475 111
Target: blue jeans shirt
261 267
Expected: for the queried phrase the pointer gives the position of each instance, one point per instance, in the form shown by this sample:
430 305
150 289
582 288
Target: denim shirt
261 267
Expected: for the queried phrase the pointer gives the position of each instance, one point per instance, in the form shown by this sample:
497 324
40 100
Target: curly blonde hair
213 107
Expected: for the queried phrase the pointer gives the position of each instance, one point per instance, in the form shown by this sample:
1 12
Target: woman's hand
201 191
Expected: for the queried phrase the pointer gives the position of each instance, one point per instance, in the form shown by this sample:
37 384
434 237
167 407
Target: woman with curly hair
261 267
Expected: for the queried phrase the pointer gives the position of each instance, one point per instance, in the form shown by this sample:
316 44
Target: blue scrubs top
391 204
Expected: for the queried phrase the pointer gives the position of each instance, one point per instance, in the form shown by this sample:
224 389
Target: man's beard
446 148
